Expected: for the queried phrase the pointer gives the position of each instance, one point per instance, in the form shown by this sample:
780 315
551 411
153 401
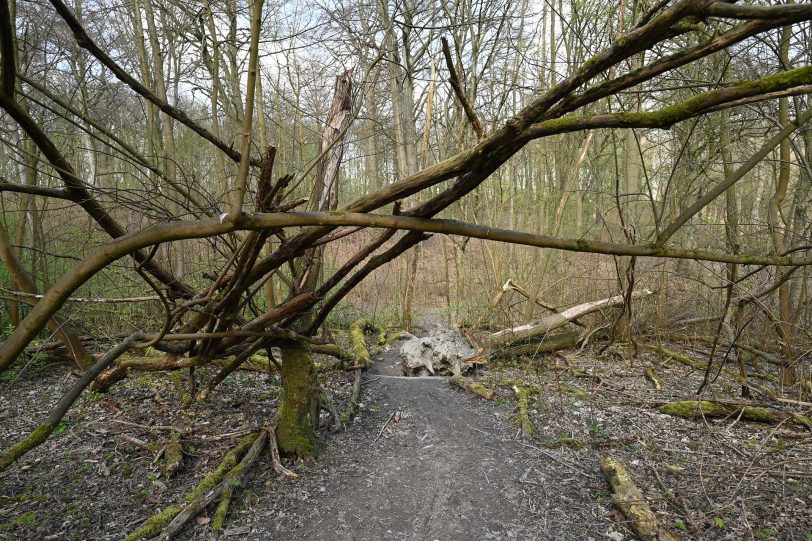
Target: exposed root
476 388
630 501
276 460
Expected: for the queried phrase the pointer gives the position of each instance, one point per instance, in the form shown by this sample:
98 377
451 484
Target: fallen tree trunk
555 321
691 409
547 345
630 501
358 344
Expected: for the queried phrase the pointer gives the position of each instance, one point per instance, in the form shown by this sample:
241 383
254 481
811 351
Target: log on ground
630 501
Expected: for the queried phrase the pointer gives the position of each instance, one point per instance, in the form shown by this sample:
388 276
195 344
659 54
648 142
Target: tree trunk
295 431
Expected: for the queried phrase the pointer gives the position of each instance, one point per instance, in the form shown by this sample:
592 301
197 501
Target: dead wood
547 345
652 376
526 427
329 405
159 523
475 388
173 455
203 499
630 501
699 365
41 433
716 409
355 398
709 340
555 321
357 334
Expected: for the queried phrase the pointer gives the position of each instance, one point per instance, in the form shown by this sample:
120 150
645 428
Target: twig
384 426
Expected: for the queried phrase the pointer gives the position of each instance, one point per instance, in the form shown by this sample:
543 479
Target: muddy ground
424 460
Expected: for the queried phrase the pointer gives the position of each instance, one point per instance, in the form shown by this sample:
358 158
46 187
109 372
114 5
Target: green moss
295 430
219 517
357 333
39 435
29 518
173 457
690 408
755 414
566 441
522 404
159 521
180 387
154 524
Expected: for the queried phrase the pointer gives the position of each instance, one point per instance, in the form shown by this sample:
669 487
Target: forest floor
423 460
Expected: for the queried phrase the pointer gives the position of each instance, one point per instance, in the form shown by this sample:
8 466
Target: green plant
764 533
29 518
61 428
680 524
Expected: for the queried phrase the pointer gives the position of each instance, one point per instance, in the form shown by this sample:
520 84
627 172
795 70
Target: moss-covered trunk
295 430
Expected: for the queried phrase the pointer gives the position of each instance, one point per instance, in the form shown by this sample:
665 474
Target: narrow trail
427 461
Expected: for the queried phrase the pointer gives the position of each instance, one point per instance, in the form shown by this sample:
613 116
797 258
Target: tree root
158 523
630 501
691 409
475 388
276 460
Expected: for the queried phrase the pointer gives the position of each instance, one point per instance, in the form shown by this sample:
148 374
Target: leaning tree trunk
300 391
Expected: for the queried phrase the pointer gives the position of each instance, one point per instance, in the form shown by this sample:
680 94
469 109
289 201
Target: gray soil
445 466
422 460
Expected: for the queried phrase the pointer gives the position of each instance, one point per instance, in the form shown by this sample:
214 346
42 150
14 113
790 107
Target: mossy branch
691 409
668 116
156 523
630 501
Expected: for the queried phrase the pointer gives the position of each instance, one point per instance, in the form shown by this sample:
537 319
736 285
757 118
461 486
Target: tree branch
8 61
668 116
458 90
84 41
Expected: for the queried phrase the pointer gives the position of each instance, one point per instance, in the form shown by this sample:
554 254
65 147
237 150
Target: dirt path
449 468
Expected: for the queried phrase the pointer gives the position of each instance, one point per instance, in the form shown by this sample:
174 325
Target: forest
405 269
